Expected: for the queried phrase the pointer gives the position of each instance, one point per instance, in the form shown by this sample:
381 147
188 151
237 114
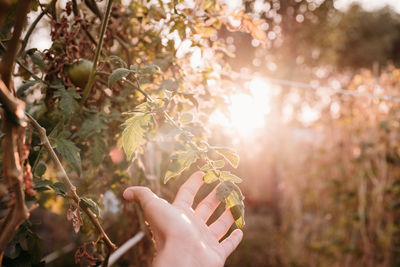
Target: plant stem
92 75
8 60
68 184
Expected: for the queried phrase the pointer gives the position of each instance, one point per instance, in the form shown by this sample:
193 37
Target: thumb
154 208
140 194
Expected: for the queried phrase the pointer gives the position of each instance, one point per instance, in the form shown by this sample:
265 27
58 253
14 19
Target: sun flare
246 110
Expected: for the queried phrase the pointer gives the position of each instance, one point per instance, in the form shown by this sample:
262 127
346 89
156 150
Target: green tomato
79 72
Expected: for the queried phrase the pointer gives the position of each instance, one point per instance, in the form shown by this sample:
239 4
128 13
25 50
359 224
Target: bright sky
369 4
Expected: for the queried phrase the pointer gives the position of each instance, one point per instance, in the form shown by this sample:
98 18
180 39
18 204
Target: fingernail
128 194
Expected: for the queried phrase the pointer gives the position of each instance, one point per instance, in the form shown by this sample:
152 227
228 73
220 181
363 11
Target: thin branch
136 86
8 60
12 174
33 26
92 75
71 189
33 75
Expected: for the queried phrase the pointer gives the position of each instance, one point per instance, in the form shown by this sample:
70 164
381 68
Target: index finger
185 196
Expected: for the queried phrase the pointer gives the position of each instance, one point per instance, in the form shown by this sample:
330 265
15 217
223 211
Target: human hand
181 235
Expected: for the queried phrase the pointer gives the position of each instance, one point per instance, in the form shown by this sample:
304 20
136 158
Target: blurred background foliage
321 170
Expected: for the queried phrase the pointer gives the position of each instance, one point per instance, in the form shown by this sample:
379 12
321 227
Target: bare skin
181 235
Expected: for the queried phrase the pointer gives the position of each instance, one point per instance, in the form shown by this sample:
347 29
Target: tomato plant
116 77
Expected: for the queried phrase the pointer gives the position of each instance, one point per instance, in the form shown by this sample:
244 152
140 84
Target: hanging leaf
180 162
238 215
225 188
133 134
230 194
117 75
230 155
92 205
228 176
59 188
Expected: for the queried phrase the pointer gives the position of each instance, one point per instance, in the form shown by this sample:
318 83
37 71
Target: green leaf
25 86
68 103
92 205
69 151
92 125
99 150
59 188
133 134
185 118
227 176
211 176
230 155
218 164
180 161
119 60
42 183
117 75
40 169
36 58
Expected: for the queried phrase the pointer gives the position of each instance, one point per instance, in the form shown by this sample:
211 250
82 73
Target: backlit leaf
230 155
211 176
179 163
133 134
228 176
231 195
217 164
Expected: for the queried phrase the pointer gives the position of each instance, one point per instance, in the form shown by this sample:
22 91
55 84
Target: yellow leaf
230 155
180 162
133 134
211 176
227 176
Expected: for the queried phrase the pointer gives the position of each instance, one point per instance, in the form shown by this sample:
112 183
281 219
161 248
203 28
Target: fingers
153 206
222 224
207 206
188 190
231 242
